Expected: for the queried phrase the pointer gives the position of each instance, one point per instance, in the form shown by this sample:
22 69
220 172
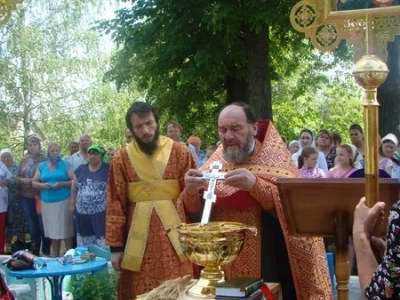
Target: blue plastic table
54 271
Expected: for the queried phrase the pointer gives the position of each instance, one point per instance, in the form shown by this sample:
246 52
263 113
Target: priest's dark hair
141 109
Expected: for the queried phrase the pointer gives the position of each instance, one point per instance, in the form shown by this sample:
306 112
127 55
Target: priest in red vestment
253 158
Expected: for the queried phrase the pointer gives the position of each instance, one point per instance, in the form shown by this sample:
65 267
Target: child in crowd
344 163
307 163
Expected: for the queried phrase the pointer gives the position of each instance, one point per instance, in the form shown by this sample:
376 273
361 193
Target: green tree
51 69
192 57
333 102
200 55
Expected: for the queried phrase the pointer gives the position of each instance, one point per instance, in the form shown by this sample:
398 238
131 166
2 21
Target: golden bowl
212 246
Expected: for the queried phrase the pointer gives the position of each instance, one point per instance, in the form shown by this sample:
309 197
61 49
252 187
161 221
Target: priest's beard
150 147
240 155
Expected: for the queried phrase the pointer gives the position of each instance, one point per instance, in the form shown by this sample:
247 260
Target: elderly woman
24 177
5 177
307 139
293 147
19 227
89 198
387 149
53 178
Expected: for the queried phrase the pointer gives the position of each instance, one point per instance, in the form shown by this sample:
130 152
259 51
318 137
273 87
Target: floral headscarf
32 157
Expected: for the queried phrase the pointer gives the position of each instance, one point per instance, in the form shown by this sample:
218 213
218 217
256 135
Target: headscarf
391 137
101 150
52 160
194 139
357 157
292 143
6 150
298 153
32 157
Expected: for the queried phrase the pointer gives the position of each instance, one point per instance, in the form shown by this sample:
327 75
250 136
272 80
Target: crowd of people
327 157
46 199
129 200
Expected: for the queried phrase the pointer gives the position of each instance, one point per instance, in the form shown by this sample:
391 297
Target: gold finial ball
370 71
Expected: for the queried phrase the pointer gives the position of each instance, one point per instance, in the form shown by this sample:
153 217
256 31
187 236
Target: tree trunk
259 92
255 90
389 92
236 90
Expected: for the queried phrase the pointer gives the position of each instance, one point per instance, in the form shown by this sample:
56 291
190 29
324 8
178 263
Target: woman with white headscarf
18 227
293 147
5 177
307 139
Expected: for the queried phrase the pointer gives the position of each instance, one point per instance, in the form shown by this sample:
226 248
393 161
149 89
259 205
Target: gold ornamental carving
6 9
368 25
326 26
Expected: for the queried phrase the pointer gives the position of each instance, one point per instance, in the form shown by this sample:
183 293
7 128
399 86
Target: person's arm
74 191
365 219
366 261
4 181
36 184
191 184
385 279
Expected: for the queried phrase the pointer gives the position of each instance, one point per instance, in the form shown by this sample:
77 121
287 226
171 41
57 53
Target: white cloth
76 160
4 175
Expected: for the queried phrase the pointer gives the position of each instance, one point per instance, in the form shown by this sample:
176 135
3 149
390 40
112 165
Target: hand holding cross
209 195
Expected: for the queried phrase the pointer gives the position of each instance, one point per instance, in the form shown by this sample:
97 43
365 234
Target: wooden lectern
325 208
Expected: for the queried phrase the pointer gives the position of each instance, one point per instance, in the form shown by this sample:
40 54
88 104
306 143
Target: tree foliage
200 54
193 57
188 58
51 70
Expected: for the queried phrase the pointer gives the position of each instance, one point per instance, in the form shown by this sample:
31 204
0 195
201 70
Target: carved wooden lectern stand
325 208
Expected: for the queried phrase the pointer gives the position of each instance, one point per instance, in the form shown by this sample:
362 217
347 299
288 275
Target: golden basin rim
212 227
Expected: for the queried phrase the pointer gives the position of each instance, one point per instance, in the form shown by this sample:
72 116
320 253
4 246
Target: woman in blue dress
88 199
53 178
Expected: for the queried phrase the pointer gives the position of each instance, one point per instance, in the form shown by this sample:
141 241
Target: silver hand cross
209 195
